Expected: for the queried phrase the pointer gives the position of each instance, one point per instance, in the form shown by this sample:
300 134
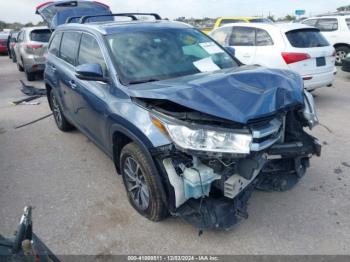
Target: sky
23 10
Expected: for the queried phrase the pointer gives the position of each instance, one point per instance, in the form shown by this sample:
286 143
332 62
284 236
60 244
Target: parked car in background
11 45
336 29
292 46
346 63
57 12
238 19
3 43
191 131
30 50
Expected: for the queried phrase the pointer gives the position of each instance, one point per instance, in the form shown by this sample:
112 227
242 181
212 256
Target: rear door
310 42
65 70
243 40
89 96
267 50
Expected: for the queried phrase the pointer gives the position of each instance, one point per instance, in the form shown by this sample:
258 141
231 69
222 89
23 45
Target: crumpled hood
239 95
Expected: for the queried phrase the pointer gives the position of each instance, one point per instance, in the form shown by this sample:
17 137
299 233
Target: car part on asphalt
191 130
31 90
26 99
26 245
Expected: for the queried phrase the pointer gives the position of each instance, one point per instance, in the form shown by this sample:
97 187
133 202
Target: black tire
340 54
20 68
61 121
14 57
30 76
154 209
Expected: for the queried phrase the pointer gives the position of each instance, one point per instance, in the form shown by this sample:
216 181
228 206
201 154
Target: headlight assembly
194 137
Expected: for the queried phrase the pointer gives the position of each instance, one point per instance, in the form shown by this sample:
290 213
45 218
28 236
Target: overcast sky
23 10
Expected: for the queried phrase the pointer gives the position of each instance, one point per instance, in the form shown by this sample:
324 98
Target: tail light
31 47
290 58
12 44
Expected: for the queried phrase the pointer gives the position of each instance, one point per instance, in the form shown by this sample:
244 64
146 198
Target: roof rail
131 15
69 19
341 13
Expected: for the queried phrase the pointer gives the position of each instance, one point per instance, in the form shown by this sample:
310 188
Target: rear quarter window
348 22
40 35
306 38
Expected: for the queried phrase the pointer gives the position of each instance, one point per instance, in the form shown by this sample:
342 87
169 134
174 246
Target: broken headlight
194 137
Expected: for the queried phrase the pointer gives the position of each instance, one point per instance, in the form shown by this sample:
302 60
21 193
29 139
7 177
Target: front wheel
19 67
140 182
61 121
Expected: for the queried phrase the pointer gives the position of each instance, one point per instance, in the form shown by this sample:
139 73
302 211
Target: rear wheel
19 67
140 182
30 76
61 121
340 54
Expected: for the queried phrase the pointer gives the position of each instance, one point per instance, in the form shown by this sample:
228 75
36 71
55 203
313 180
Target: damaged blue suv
191 130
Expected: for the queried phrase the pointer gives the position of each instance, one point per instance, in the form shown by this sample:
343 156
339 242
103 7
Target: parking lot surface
81 205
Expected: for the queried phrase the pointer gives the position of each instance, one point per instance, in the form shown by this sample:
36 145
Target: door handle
246 55
72 84
53 68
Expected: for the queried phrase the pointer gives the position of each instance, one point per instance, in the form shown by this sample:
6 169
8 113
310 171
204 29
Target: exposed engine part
221 213
193 182
309 112
237 183
176 181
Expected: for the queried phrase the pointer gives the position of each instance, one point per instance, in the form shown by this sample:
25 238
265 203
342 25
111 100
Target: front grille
267 134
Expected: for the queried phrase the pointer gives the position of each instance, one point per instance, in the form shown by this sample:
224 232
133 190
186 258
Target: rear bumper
3 49
319 80
32 65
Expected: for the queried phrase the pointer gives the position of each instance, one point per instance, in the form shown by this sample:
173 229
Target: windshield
153 55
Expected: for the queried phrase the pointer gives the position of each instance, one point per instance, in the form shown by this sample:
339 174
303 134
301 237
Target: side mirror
90 72
230 50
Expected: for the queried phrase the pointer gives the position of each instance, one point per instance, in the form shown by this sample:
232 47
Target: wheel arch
341 44
121 136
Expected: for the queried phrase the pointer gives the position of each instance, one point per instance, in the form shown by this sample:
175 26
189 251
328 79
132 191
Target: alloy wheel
56 111
136 184
339 56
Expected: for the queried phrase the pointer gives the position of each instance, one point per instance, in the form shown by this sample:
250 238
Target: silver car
30 50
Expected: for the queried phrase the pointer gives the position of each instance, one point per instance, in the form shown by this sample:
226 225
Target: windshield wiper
143 81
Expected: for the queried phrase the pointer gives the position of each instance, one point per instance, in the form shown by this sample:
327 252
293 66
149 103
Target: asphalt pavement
80 205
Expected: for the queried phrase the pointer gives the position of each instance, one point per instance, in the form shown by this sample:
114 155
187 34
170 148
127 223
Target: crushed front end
213 165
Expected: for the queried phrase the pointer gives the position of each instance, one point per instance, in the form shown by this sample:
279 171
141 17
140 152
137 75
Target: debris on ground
31 90
34 121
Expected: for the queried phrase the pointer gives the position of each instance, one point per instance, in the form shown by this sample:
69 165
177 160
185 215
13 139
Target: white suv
336 29
296 47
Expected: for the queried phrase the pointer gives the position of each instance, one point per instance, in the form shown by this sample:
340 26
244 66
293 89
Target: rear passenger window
220 35
242 36
327 24
263 38
90 52
69 46
55 44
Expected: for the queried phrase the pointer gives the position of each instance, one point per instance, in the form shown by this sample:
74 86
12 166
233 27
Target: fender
142 141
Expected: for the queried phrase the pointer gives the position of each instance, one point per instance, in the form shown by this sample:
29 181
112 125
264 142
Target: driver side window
90 52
